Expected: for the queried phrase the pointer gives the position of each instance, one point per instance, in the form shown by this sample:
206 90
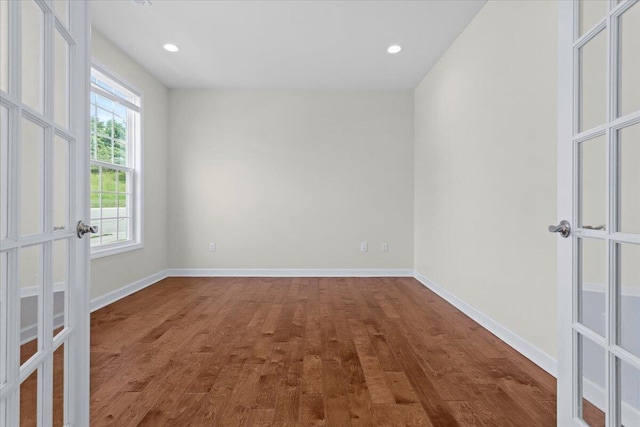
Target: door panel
44 159
599 193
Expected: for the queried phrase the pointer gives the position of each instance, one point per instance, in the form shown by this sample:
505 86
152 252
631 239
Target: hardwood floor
305 351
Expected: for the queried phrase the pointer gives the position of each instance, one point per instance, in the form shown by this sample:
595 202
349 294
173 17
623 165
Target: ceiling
285 44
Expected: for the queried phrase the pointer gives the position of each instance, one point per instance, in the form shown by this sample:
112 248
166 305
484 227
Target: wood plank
304 351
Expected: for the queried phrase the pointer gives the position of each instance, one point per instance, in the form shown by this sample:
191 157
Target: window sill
104 251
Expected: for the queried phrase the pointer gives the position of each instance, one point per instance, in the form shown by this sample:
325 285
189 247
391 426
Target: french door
44 315
599 196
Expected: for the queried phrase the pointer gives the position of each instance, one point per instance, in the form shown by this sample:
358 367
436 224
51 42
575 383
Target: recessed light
169 47
394 48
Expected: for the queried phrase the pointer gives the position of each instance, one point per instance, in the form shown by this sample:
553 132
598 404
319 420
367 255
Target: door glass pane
29 401
628 297
591 382
62 11
61 82
4 46
592 286
31 276
60 283
593 82
32 55
4 284
60 184
629 84
629 178
58 387
4 171
591 12
593 182
630 394
31 174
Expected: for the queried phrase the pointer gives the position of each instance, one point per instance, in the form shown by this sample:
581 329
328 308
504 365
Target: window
115 166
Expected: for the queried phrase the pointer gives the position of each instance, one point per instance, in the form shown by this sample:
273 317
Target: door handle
597 227
564 228
83 229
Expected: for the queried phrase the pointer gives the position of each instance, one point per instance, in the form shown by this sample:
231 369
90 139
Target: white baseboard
288 272
127 290
519 344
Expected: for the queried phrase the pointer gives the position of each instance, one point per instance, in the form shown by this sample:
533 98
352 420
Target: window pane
109 180
593 182
4 285
123 229
60 183
629 179
104 149
60 283
61 82
4 175
629 86
123 206
122 182
120 128
591 381
59 373
593 282
630 394
31 173
104 122
628 297
119 154
109 231
32 55
4 46
593 82
31 277
29 400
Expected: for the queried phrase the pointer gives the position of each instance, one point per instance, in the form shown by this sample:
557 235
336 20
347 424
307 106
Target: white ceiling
285 44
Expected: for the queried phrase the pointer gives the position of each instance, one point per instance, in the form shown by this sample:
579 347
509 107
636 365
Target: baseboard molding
528 350
288 272
127 290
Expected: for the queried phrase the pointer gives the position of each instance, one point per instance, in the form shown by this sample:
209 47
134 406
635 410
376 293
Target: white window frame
137 196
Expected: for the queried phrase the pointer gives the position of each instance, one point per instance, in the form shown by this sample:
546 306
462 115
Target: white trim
114 249
125 291
288 272
518 343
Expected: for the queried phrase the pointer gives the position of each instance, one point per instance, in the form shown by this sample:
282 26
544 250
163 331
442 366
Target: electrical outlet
385 247
364 247
212 247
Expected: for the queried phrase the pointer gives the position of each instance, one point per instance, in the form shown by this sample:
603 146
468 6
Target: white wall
485 168
290 179
113 272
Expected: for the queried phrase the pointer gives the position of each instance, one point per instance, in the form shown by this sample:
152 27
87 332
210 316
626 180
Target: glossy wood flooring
305 351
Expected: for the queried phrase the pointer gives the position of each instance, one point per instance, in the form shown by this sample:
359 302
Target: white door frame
75 334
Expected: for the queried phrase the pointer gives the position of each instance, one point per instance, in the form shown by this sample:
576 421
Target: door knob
83 229
564 228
